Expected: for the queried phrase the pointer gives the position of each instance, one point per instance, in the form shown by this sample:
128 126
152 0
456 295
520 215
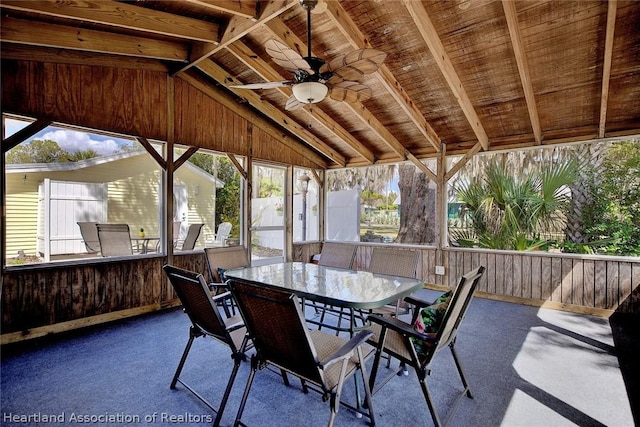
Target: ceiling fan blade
293 104
354 65
286 57
350 92
265 85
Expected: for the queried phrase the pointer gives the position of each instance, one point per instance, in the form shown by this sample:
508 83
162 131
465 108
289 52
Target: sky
70 140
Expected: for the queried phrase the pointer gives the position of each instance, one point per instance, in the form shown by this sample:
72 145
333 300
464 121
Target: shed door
61 204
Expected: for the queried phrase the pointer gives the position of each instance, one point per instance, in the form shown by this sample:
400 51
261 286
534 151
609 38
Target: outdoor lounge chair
402 341
221 259
224 230
200 306
278 329
193 232
89 233
115 239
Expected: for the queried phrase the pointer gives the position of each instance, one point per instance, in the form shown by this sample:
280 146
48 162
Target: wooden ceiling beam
427 30
239 27
244 9
152 151
268 73
606 67
463 161
523 67
59 36
424 168
284 34
264 124
220 75
27 132
350 30
122 15
64 56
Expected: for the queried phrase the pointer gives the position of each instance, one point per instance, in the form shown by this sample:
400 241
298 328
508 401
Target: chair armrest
222 296
419 303
348 348
400 327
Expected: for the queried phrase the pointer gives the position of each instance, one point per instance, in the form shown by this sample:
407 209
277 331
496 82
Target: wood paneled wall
135 102
49 295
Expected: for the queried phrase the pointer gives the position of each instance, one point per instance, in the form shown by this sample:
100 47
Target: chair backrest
339 255
192 235
278 329
458 306
395 262
197 302
115 239
225 258
89 233
224 229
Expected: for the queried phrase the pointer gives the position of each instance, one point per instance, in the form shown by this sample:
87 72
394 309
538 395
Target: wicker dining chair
322 361
115 239
206 320
417 349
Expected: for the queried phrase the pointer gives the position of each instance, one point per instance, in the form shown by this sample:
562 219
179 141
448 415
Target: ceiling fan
315 78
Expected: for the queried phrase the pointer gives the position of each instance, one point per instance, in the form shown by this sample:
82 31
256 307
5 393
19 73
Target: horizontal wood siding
22 220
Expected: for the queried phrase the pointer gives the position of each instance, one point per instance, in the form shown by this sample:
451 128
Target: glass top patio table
335 286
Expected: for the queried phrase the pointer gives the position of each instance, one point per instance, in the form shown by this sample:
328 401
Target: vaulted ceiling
476 75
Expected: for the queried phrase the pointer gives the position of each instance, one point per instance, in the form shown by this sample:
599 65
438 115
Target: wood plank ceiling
474 74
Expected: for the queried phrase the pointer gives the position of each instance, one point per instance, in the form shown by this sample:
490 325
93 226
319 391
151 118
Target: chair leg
368 402
192 336
428 398
245 395
237 358
334 400
463 377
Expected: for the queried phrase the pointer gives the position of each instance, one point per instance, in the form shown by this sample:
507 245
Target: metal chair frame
393 337
226 258
339 255
193 232
277 327
89 233
115 239
206 320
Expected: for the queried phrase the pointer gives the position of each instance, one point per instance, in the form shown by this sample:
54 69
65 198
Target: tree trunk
589 157
417 207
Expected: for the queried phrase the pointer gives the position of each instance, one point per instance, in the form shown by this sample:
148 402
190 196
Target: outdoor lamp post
304 188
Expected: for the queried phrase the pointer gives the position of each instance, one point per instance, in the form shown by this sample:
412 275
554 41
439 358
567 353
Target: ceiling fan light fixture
310 92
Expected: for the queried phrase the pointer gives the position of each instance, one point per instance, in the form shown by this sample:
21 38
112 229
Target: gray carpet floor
527 367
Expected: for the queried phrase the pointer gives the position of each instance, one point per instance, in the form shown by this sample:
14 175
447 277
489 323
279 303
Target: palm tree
510 211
